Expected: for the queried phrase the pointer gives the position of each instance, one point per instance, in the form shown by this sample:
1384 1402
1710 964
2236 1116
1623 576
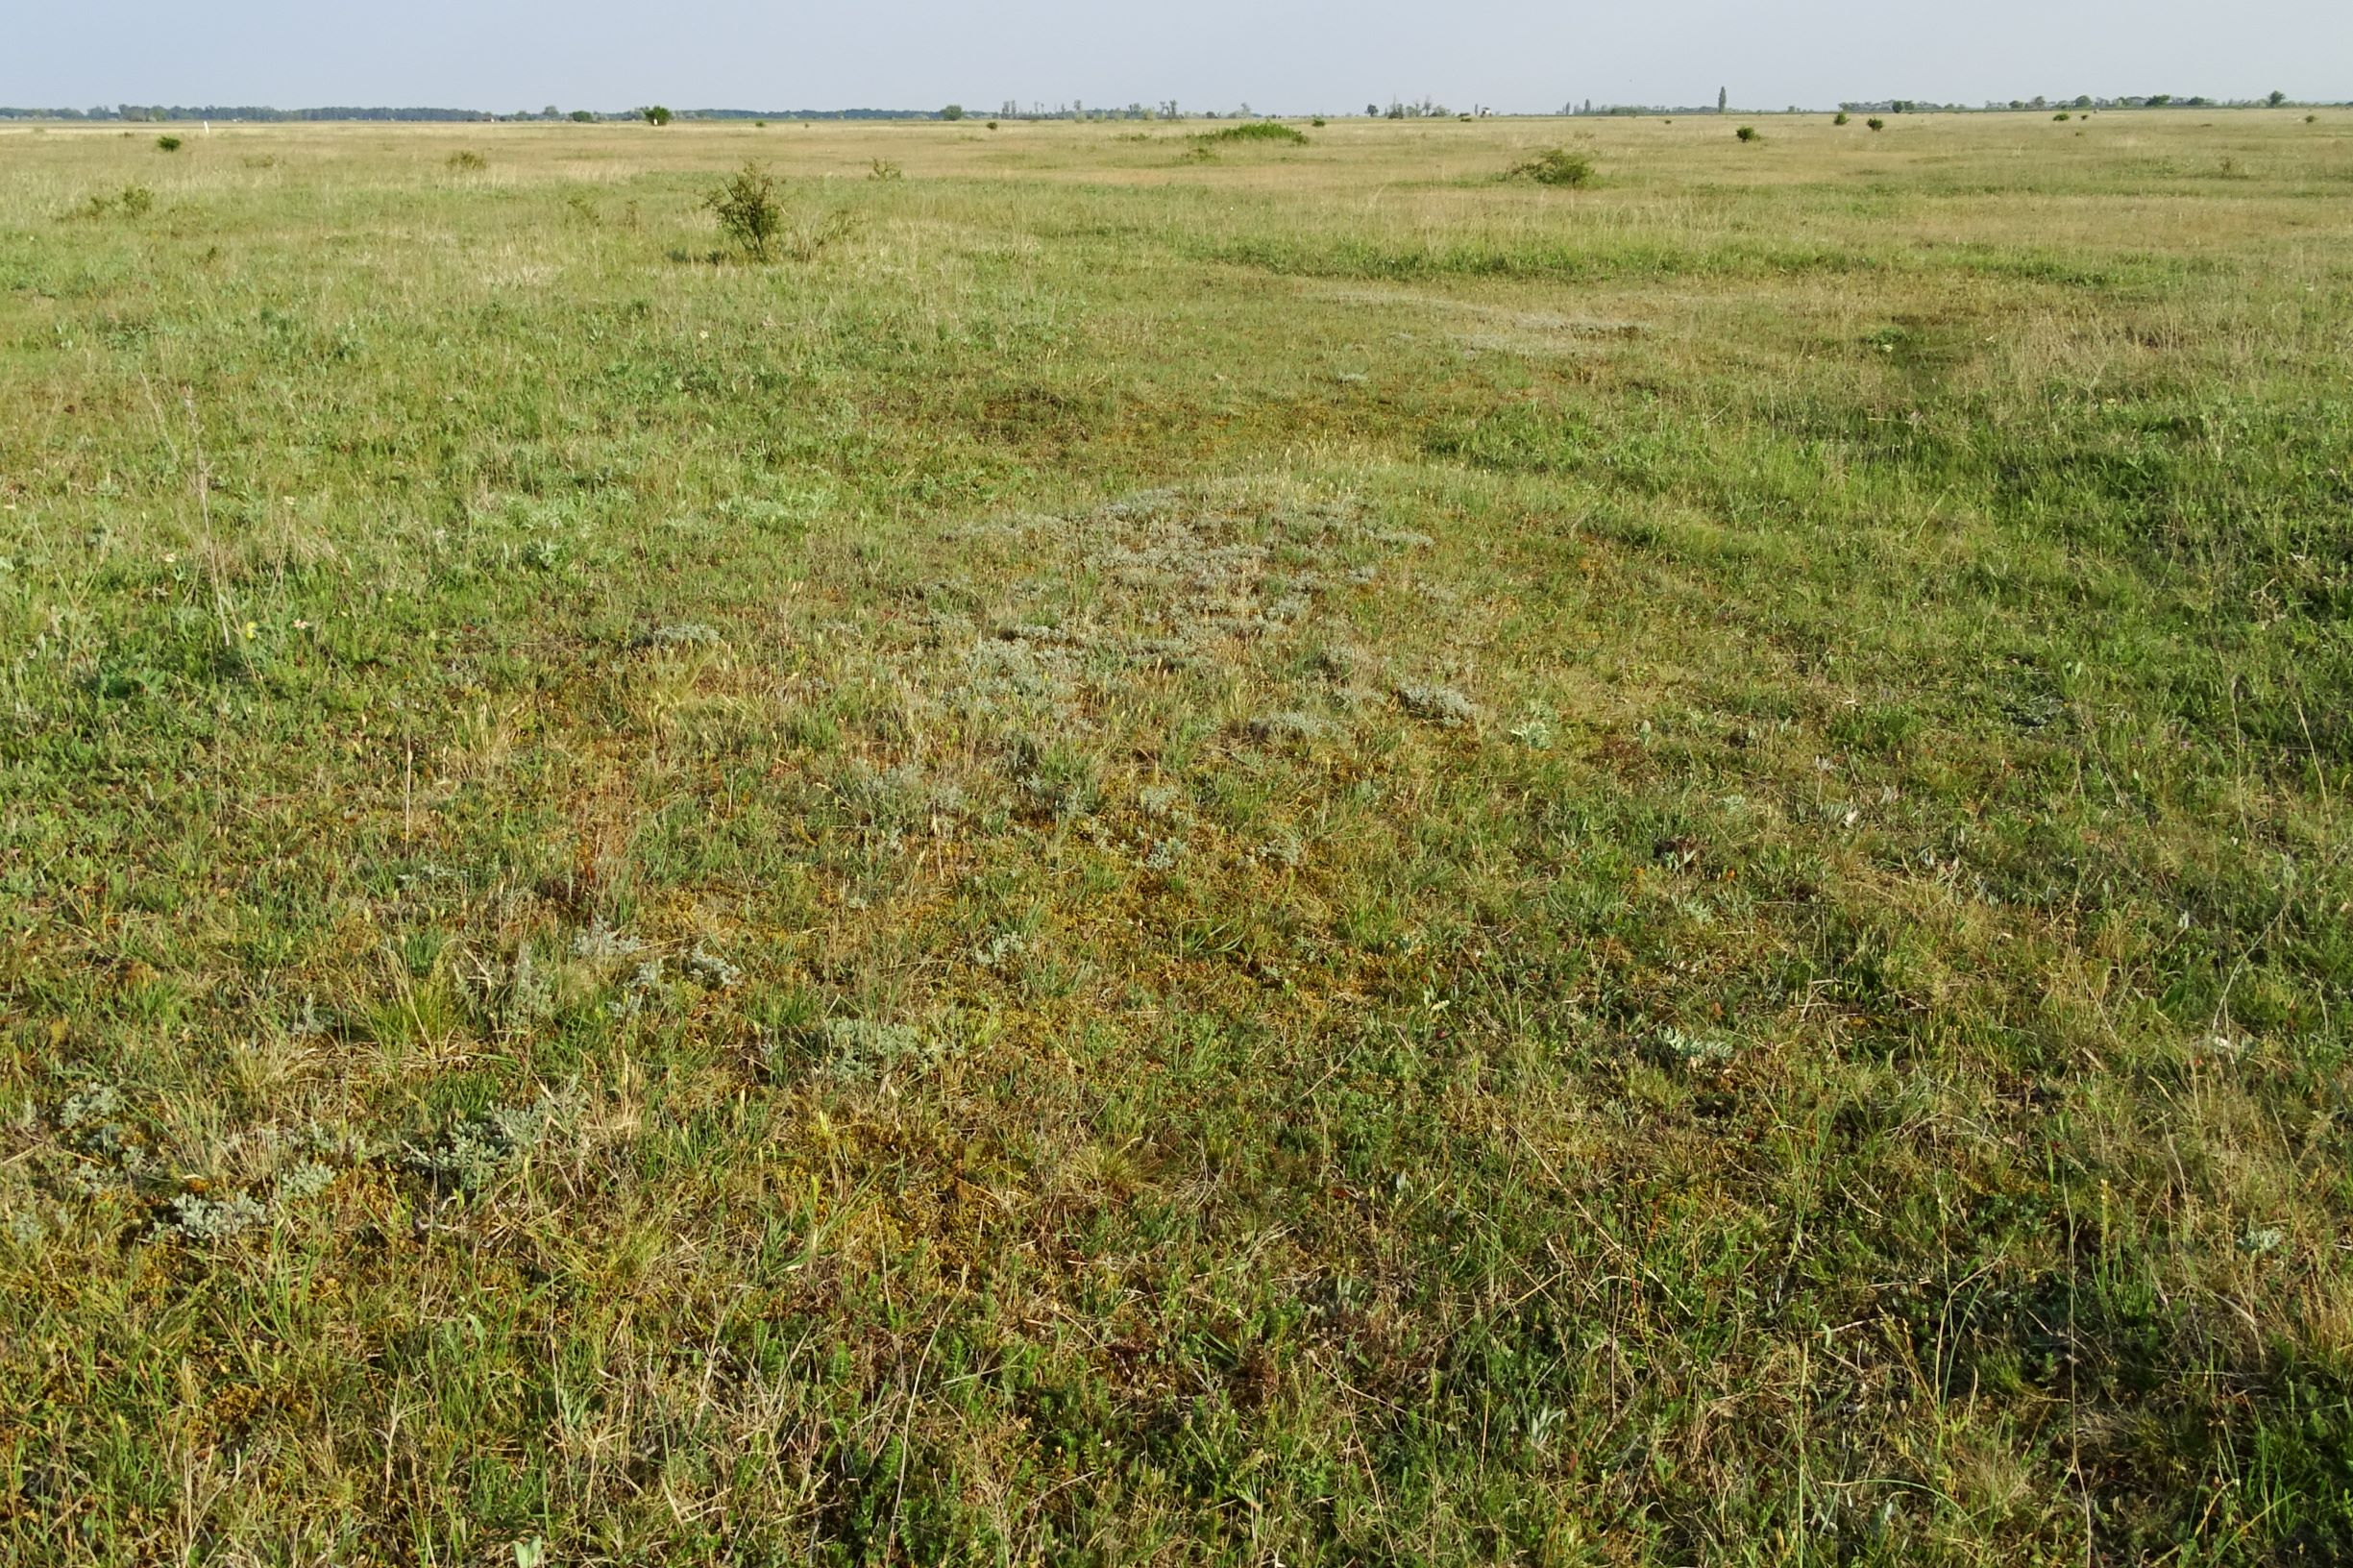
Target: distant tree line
1074 109
2081 101
153 113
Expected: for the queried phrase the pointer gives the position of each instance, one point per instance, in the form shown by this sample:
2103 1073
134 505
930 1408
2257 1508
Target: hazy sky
1276 55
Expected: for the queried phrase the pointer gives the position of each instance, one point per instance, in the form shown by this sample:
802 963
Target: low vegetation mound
1257 130
1554 166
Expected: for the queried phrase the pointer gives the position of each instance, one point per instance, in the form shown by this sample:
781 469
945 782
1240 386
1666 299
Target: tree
583 117
1724 97
1372 112
2276 98
953 111
656 115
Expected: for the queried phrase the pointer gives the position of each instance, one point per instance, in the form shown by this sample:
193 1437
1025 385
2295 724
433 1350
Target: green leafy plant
953 111
169 144
747 209
132 202
655 114
1256 130
1841 117
1877 122
1554 166
1748 133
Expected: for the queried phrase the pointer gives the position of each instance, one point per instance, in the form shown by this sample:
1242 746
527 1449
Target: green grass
1322 859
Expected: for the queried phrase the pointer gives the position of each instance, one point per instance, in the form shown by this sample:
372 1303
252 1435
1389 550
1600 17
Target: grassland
1182 851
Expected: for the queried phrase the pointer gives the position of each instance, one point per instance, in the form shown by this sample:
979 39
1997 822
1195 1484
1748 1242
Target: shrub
1554 166
1877 122
1748 133
992 124
747 211
1318 122
466 161
2063 115
1841 117
581 116
953 111
655 114
170 144
1256 130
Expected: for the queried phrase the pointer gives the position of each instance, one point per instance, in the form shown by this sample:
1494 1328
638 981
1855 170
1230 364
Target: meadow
1172 850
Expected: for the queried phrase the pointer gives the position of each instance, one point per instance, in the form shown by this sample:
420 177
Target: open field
1294 857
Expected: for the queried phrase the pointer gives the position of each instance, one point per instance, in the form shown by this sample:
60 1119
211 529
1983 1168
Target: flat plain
1178 851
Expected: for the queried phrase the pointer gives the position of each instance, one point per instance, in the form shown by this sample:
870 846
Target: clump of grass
1748 133
882 168
1256 130
132 202
1441 705
169 144
747 209
1554 166
466 161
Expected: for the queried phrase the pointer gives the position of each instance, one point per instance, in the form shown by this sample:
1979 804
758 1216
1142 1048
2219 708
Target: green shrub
2063 115
992 124
1841 117
1256 130
1876 123
1555 166
655 114
1748 133
170 144
953 111
1318 122
747 209
466 161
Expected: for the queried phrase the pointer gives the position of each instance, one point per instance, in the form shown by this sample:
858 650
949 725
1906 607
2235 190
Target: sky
1276 56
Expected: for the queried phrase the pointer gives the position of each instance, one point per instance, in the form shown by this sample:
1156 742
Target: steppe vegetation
1093 855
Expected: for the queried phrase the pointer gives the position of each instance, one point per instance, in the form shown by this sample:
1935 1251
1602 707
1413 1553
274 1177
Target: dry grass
1300 856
